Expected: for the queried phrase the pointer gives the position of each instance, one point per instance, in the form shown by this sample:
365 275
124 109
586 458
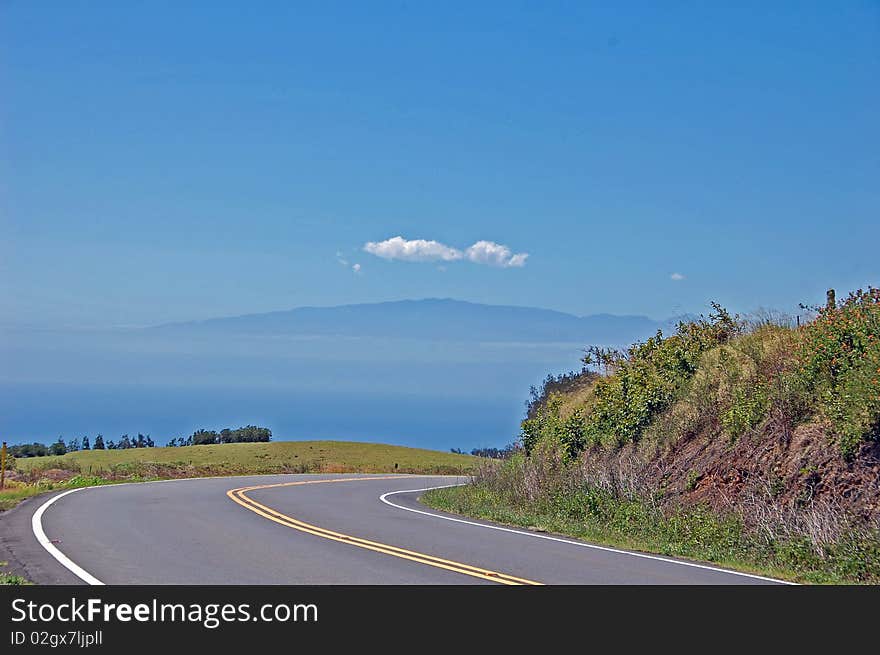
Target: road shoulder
21 550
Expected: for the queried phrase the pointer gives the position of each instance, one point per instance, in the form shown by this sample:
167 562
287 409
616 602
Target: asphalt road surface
304 529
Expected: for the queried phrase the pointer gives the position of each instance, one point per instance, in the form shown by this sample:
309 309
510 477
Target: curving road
304 529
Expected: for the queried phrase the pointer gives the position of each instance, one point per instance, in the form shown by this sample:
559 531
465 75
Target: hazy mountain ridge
433 318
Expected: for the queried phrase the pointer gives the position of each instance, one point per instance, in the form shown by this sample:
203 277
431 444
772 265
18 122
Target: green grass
697 534
9 578
10 497
273 457
15 492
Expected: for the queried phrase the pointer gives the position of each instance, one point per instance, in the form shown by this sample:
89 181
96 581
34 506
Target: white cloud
415 250
420 250
356 268
677 277
341 258
494 254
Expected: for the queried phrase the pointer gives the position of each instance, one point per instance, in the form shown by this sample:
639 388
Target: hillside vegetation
83 468
754 443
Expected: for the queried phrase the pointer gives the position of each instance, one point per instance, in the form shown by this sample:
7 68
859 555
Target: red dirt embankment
796 470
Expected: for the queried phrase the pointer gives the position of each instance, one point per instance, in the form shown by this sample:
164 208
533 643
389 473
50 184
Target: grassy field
329 456
85 468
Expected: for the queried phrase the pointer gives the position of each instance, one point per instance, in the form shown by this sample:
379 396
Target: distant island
431 318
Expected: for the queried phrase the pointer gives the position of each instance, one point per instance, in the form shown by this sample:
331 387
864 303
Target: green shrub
648 378
544 425
738 380
748 407
839 362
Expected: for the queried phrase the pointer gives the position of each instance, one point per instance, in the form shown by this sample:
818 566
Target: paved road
294 529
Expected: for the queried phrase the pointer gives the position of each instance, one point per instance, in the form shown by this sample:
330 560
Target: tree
605 358
111 445
99 442
29 450
58 448
73 445
250 434
204 437
124 442
495 453
86 445
246 434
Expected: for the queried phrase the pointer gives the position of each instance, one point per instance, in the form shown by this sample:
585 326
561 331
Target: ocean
43 412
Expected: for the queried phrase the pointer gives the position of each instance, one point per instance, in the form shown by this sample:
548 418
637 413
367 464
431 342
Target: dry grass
581 398
610 499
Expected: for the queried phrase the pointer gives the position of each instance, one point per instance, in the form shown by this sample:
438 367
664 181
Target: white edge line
64 560
582 544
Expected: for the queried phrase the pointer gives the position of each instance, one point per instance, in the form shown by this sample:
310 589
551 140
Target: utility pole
3 465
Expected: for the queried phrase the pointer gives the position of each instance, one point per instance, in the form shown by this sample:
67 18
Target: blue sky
164 162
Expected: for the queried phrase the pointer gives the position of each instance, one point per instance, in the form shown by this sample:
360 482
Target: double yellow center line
240 496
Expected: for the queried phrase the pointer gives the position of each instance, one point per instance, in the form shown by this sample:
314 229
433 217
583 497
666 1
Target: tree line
491 453
247 434
62 447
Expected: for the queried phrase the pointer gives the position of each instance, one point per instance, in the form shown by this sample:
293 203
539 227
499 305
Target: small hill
725 413
755 443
